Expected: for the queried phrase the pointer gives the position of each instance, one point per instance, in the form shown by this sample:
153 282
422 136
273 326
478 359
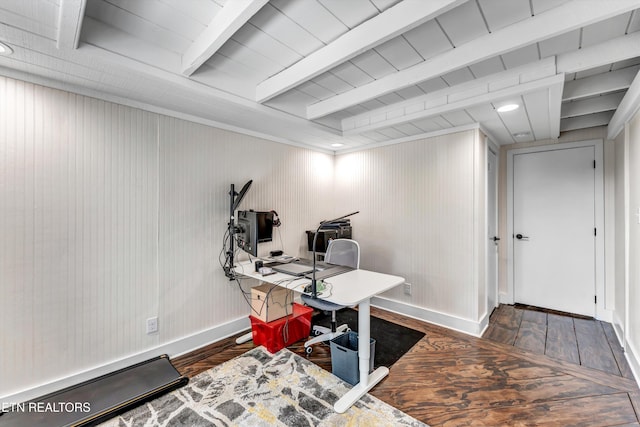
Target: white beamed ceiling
356 72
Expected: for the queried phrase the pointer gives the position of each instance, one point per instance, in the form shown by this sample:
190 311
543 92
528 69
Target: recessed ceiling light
521 134
336 145
5 50
507 107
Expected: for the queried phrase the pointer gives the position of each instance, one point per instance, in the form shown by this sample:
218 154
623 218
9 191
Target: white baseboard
441 319
172 349
631 354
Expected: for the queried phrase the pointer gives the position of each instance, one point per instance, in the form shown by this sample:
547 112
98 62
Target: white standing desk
352 288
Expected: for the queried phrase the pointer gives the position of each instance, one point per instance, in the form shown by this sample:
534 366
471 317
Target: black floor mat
392 340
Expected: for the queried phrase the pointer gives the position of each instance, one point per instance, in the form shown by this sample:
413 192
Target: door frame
601 312
493 288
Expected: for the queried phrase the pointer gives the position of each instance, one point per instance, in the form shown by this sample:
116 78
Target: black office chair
340 252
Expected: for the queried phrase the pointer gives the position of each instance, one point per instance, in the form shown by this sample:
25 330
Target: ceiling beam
394 21
588 121
627 108
614 50
494 88
70 16
564 18
597 104
227 21
600 83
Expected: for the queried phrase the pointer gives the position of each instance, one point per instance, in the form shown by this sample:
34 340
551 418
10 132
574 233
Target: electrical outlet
407 288
152 325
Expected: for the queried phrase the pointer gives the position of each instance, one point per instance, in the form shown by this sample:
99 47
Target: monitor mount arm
234 201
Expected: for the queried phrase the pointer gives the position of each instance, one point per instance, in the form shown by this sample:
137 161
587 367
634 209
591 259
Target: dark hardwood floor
574 339
453 379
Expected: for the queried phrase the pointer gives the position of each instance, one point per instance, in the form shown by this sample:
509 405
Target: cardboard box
270 302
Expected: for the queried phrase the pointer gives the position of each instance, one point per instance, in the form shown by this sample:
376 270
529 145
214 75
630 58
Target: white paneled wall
633 244
78 209
110 215
421 211
620 299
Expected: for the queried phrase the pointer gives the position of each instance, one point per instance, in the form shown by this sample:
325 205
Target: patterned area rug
262 389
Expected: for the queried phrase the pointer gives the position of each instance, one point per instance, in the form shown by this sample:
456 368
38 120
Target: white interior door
492 230
554 229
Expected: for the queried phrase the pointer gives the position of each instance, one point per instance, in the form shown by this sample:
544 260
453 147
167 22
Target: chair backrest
343 252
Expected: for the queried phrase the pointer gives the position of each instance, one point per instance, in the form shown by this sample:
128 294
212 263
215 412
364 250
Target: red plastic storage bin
283 332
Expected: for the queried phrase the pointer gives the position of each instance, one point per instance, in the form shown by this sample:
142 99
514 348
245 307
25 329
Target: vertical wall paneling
621 214
418 207
78 202
633 231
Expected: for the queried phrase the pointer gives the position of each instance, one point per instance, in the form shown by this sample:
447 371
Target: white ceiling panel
332 82
383 5
372 63
399 53
634 23
172 16
482 113
498 132
375 136
372 104
141 28
352 74
433 85
522 56
625 64
409 129
540 6
410 92
315 90
392 133
256 40
199 11
262 66
313 17
442 122
487 67
353 12
593 71
605 30
457 77
560 44
463 24
428 39
280 27
427 125
500 13
38 18
458 118
537 107
390 98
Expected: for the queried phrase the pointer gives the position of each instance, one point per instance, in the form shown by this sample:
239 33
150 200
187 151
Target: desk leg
367 381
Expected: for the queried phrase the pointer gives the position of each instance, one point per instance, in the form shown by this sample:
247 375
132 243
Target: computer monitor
253 228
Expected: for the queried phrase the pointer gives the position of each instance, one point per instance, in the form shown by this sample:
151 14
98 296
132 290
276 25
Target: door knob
521 237
496 238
